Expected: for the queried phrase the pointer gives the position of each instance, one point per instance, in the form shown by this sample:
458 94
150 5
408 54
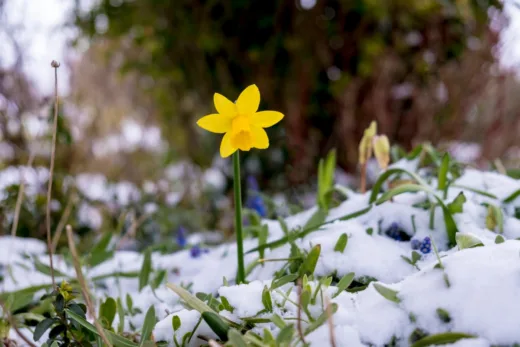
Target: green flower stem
241 275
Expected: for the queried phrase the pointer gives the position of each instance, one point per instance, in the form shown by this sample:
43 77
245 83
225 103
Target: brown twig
83 285
55 65
330 321
19 198
299 317
12 322
63 221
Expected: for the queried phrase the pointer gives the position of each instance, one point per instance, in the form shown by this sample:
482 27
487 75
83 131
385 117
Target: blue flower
416 244
426 246
394 231
196 251
254 200
181 237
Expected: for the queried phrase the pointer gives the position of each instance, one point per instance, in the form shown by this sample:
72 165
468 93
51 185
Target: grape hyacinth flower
181 237
426 246
396 232
416 244
196 251
254 200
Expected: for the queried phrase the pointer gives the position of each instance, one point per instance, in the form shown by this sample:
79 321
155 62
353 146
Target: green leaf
499 239
236 339
316 219
57 330
266 299
415 257
442 339
443 173
176 323
512 197
341 243
474 190
283 280
45 269
190 299
468 241
456 206
226 304
158 279
59 303
121 314
149 323
217 324
443 315
146 269
278 321
19 301
321 319
42 327
100 257
309 265
107 312
344 283
262 240
115 339
285 335
495 219
387 293
129 303
305 298
386 175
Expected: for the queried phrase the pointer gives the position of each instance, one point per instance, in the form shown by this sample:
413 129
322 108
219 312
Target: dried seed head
55 64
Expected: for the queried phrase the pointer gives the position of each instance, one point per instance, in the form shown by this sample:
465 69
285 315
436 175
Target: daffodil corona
240 122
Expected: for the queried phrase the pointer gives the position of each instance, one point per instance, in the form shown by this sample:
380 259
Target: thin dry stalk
55 65
83 285
19 198
63 221
330 321
213 343
12 322
299 317
363 183
136 223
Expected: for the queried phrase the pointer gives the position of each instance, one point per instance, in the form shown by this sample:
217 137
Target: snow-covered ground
474 290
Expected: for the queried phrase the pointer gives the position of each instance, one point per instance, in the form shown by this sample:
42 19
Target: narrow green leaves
387 293
341 243
146 269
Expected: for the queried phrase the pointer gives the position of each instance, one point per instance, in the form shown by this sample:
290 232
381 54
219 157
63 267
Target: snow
483 298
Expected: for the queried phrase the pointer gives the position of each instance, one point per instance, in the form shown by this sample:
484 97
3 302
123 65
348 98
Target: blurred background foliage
144 71
416 67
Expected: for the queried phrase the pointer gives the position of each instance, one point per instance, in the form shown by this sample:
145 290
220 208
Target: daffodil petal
215 123
226 149
224 106
249 100
266 119
259 137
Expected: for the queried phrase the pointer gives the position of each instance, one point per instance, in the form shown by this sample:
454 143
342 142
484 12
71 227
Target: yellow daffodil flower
241 124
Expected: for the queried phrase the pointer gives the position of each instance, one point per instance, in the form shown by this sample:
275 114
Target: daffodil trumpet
243 128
